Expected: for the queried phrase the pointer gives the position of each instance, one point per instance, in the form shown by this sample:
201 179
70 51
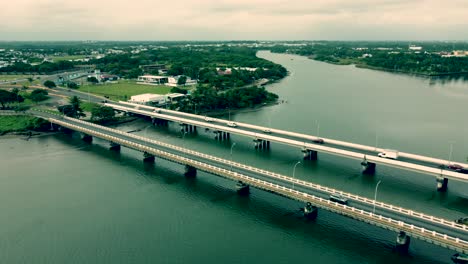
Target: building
153 67
415 48
149 99
152 80
174 97
174 80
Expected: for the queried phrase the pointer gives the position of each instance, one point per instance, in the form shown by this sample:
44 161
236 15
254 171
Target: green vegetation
124 89
68 58
207 99
88 106
49 84
73 109
102 114
19 123
434 58
8 98
9 77
38 95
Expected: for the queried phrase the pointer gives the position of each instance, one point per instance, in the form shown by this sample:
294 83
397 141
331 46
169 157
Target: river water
65 201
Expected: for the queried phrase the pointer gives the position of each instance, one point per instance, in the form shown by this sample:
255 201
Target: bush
49 84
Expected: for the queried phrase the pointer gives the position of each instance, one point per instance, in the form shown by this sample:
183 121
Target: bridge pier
87 138
148 157
442 184
368 167
402 242
190 171
242 188
114 146
310 154
310 211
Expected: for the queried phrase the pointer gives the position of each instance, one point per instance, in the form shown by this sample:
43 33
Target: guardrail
328 190
435 161
388 223
334 151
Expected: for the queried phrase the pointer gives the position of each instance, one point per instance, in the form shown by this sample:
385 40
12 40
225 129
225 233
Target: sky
234 20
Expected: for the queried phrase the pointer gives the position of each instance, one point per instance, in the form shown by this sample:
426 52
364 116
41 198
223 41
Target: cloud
232 19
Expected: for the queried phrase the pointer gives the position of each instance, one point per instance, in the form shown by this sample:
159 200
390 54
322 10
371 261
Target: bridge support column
148 157
310 154
402 242
442 184
190 171
368 167
228 135
242 188
87 138
268 144
310 211
114 146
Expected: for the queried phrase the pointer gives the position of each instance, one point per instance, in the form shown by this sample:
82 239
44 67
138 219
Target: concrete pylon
442 184
402 242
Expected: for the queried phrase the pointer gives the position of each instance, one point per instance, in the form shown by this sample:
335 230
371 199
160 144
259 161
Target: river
65 201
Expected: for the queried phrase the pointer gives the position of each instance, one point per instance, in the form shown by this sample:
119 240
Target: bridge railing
325 189
385 222
328 190
436 161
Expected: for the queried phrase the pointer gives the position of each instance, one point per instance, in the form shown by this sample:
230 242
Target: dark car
318 141
454 167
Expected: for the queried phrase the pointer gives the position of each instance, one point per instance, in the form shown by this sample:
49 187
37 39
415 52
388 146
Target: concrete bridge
406 222
309 145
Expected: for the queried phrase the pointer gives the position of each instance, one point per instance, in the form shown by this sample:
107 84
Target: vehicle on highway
209 119
460 258
337 198
157 110
267 131
462 220
232 124
318 141
454 167
389 154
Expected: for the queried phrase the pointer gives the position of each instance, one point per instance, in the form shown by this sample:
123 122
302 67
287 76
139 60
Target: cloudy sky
234 20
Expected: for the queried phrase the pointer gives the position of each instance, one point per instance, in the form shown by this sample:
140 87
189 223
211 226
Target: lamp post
232 146
451 151
318 127
146 128
294 172
375 195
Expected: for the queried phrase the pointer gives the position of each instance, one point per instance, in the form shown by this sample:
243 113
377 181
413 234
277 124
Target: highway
412 162
400 215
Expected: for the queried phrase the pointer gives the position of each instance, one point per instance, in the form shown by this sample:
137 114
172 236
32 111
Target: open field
123 90
15 123
66 58
5 77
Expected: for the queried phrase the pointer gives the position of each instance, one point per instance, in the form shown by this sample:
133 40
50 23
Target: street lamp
232 146
318 127
294 172
451 151
375 195
146 128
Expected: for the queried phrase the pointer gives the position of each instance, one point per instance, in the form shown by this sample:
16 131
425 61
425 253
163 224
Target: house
152 80
174 97
415 48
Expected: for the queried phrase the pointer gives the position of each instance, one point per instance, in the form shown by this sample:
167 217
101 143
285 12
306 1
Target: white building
173 81
415 48
152 79
149 99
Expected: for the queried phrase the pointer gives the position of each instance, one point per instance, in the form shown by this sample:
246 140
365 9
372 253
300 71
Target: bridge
407 223
309 145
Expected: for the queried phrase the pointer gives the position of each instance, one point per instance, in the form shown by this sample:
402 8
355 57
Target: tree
15 91
6 98
72 85
30 80
182 80
75 103
38 95
49 84
102 113
92 79
178 90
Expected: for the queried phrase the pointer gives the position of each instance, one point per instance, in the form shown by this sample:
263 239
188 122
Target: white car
209 119
231 124
267 131
157 110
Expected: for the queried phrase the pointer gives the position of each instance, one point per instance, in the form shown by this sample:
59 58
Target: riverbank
21 124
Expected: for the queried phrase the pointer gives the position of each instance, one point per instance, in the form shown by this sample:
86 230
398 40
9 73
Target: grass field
87 107
5 77
123 90
15 123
